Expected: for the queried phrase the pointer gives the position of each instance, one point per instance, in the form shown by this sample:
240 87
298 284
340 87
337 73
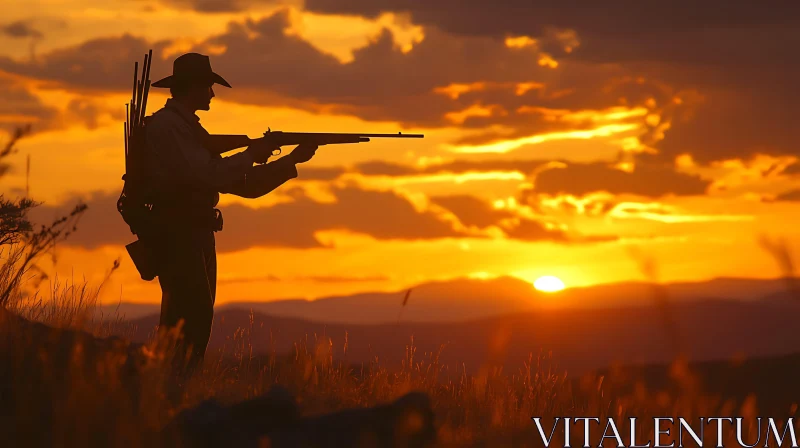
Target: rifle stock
219 144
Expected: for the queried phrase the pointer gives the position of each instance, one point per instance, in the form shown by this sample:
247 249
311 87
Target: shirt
181 172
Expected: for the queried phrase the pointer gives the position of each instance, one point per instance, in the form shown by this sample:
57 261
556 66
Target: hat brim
171 81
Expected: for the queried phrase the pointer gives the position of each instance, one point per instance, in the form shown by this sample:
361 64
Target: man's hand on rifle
260 150
303 153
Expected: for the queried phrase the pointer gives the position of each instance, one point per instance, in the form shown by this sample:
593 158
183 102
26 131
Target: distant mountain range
505 320
470 299
579 339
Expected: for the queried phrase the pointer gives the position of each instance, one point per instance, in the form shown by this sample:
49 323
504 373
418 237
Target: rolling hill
579 339
469 299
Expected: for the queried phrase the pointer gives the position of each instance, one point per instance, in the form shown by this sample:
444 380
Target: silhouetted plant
20 243
13 213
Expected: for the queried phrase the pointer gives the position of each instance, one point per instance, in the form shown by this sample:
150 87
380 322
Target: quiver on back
133 203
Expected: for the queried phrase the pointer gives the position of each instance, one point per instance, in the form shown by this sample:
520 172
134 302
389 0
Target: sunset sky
560 138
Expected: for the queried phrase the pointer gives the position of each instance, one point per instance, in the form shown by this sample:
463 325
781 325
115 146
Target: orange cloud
668 214
653 180
476 110
520 42
457 89
510 145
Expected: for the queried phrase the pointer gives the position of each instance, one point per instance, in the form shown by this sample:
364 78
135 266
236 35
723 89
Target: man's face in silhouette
198 96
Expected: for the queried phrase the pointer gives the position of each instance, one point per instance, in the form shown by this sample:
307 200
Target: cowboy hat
190 68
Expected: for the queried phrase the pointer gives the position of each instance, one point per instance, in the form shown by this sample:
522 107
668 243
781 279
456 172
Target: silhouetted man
184 180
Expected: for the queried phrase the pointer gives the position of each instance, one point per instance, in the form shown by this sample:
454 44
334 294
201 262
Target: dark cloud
210 6
391 169
218 6
789 196
740 124
472 211
528 230
19 107
267 66
20 29
381 83
619 18
89 112
736 57
727 62
383 215
100 224
738 82
463 166
646 180
321 173
98 64
476 212
592 206
380 214
383 168
792 169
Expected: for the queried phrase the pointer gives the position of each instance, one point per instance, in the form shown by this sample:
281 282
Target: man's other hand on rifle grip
260 150
303 153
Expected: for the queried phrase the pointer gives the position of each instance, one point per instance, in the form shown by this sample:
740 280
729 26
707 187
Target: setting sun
548 283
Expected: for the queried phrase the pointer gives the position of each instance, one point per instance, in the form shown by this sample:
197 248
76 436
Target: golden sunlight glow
460 178
685 161
482 275
611 114
545 60
655 211
520 42
627 167
592 204
634 145
476 110
457 89
510 145
548 283
178 46
738 176
524 87
340 35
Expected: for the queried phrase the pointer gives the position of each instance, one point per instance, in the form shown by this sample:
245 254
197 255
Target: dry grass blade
403 305
779 249
649 269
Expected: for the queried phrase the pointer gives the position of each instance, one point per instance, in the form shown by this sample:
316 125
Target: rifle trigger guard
276 151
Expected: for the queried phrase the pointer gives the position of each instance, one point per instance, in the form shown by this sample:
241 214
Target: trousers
187 274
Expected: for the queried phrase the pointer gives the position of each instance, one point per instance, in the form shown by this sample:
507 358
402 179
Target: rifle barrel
324 134
392 135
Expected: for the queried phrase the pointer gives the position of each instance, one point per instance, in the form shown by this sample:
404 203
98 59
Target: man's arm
190 162
262 179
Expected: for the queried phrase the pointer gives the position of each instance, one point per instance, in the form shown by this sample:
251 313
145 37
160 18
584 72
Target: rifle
219 144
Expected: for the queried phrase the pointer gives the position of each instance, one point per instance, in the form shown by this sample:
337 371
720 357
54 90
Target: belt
178 218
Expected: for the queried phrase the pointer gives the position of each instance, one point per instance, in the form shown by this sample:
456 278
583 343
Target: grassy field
61 389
